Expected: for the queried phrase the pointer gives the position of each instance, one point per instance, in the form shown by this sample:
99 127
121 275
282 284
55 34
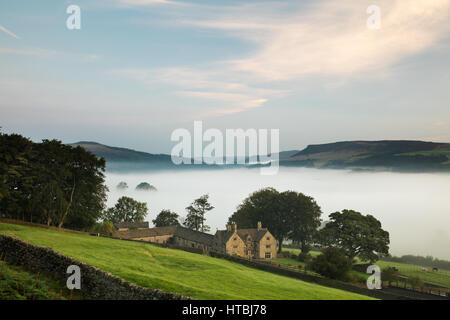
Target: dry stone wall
95 283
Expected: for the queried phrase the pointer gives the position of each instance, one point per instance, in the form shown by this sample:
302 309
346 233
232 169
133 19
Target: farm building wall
267 246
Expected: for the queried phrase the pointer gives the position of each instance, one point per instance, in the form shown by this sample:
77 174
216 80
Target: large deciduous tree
356 235
287 215
74 184
304 213
50 182
126 210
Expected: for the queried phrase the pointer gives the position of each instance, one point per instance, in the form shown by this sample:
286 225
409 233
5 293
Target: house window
268 238
235 239
268 255
235 247
193 245
268 246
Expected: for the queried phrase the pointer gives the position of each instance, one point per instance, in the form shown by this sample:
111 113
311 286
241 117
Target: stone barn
176 235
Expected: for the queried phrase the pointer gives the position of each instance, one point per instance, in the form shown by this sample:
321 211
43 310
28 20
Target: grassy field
290 262
438 278
19 284
194 275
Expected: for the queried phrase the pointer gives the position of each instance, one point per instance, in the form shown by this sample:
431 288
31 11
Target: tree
287 215
195 218
144 186
17 157
263 205
126 210
389 275
415 282
50 182
166 218
105 228
356 235
122 185
304 216
332 263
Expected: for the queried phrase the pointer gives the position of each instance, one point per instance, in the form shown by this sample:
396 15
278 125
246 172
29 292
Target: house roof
255 234
223 235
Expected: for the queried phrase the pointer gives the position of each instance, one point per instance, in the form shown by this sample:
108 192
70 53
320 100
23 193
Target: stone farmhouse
257 243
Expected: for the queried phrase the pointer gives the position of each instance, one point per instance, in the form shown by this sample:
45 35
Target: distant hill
358 155
287 154
394 154
123 159
120 154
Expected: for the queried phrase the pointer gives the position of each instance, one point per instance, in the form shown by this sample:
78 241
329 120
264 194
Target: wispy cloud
297 43
331 38
213 84
9 32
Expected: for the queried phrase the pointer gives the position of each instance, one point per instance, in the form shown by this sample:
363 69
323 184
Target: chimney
259 225
229 227
235 226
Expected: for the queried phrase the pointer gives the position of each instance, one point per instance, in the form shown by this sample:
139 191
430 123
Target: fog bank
414 208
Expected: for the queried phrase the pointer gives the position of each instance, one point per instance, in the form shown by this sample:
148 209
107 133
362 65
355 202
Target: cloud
297 43
332 39
8 32
216 84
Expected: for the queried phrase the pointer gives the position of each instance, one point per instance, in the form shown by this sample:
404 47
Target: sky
139 69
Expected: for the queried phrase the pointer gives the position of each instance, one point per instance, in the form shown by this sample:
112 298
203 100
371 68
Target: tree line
50 183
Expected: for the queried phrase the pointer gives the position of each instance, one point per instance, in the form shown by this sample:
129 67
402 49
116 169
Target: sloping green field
16 283
194 275
439 278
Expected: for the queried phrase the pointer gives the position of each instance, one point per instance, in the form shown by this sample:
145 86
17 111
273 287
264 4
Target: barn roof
143 224
178 231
